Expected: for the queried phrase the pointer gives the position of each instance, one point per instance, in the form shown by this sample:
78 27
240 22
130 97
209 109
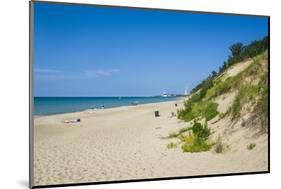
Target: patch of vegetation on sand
196 140
262 102
207 110
197 144
253 70
171 145
219 88
251 146
254 94
179 133
247 93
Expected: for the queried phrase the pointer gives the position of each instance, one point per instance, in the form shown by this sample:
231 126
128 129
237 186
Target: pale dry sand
127 143
235 69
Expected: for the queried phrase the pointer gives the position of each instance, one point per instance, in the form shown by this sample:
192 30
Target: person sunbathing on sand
73 121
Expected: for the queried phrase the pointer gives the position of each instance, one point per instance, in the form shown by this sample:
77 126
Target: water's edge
59 105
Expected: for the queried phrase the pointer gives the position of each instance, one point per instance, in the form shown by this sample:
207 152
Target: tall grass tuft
219 145
246 93
171 145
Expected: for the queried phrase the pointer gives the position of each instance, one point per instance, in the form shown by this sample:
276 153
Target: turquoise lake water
57 105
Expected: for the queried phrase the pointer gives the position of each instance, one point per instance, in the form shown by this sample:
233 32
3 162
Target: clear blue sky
94 51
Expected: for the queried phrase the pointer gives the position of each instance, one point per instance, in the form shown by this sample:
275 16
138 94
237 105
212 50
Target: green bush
197 141
210 110
203 109
200 131
198 145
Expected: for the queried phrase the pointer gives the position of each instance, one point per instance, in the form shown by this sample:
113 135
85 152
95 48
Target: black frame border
31 61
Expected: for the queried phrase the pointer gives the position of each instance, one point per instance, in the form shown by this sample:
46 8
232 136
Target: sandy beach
129 143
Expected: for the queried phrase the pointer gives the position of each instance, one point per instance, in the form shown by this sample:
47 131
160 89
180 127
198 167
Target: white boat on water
165 94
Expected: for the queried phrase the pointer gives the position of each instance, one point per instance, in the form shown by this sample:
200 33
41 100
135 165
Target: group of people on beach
94 107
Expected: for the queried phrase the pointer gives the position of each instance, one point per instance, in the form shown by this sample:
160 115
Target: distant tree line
239 52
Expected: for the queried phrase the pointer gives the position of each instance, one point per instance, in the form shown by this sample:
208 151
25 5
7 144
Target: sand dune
127 143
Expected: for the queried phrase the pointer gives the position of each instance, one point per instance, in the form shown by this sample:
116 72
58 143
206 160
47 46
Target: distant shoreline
163 99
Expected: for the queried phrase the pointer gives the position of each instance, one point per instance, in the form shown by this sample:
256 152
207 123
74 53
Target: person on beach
73 121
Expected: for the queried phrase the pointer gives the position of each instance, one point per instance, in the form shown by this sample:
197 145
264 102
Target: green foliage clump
200 131
197 142
186 114
210 110
207 84
251 146
198 145
202 109
220 88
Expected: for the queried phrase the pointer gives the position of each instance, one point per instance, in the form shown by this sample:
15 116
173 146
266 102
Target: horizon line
173 95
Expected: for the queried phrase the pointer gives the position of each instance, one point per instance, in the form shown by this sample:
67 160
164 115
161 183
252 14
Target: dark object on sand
176 105
156 113
73 121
